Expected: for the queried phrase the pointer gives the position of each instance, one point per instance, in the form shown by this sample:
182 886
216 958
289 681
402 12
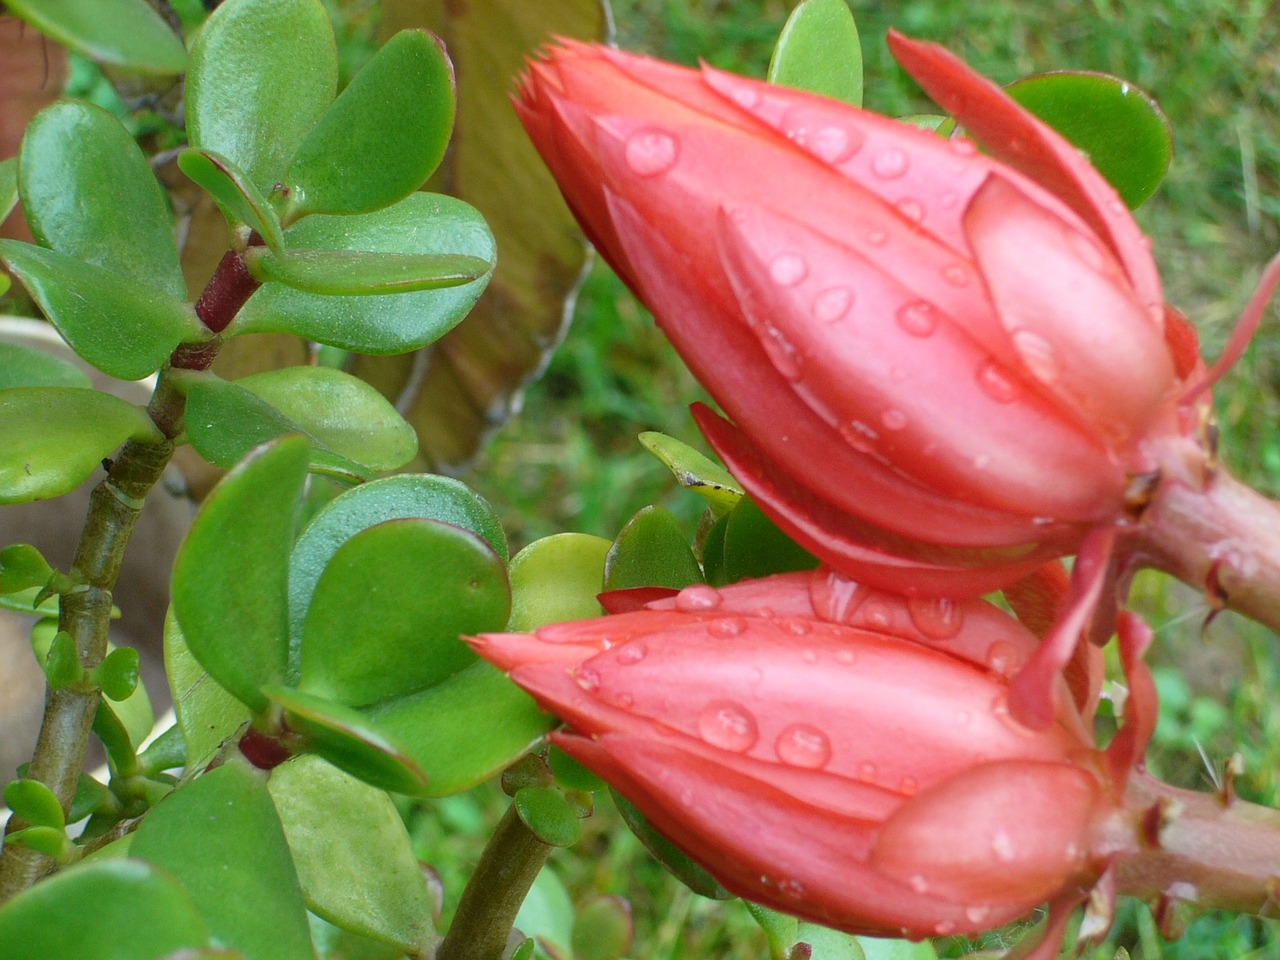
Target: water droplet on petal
727 627
943 927
859 435
792 889
918 883
997 383
847 657
982 461
796 626
728 726
802 745
788 269
877 238
1002 847
651 152
830 305
963 147
876 613
893 419
908 787
1038 354
977 914
867 772
782 352
1003 658
745 96
831 144
956 274
697 598
918 318
587 678
632 653
834 596
938 618
913 210
889 164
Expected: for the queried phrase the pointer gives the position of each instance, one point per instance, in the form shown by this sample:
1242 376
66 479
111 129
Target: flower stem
493 896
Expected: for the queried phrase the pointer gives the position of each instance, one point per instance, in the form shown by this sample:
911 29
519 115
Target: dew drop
697 598
802 745
834 596
832 304
877 613
918 318
956 274
831 144
782 352
913 210
1003 658
877 238
889 164
977 914
943 927
893 419
918 883
996 382
1038 354
859 435
962 147
796 627
788 269
792 889
847 657
727 627
632 653
867 772
745 96
587 679
651 152
909 786
938 618
1002 847
728 726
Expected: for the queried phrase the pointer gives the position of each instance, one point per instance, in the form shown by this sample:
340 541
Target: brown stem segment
489 904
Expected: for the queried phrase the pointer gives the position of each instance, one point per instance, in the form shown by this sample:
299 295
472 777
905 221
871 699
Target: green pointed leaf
123 909
695 471
122 33
1121 130
391 498
818 51
344 833
602 929
262 73
548 815
753 546
556 579
230 577
22 566
125 329
389 323
53 438
359 273
168 751
89 193
236 195
466 729
35 803
406 589
651 551
352 741
221 838
111 732
382 137
207 713
23 366
8 186
779 928
90 794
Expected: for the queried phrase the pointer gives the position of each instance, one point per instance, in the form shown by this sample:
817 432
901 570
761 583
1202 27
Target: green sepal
818 51
695 471
32 801
125 33
556 579
23 366
651 551
359 273
236 195
22 566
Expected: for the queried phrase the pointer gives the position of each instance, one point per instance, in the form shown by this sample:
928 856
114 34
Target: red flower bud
833 751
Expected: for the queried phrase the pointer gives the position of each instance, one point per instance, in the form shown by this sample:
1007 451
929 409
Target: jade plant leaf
827 944
89 193
422 223
695 471
651 551
391 498
220 836
602 929
238 197
206 712
547 915
8 187
124 328
123 33
342 832
351 741
361 273
391 123
23 366
1121 129
230 576
123 909
818 51
556 579
53 438
262 73
745 543
550 817
466 729
22 566
390 605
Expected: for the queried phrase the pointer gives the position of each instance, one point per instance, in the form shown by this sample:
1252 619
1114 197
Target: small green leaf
35 803
877 948
123 33
602 929
50 841
352 741
62 663
23 366
695 471
651 551
220 836
21 567
230 577
818 51
111 731
124 328
358 273
668 854
167 751
262 73
1120 128
89 796
207 713
53 438
117 675
89 193
388 610
236 195
382 137
548 815
751 545
8 186
343 833
570 773
779 928
422 223
556 579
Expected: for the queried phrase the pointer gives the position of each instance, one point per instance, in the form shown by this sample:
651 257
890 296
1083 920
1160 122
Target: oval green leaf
389 608
556 579
389 323
88 192
123 33
262 73
236 195
1120 128
35 803
360 273
123 909
22 566
755 547
230 576
220 836
23 366
548 815
382 137
651 551
342 833
207 713
818 51
53 438
603 930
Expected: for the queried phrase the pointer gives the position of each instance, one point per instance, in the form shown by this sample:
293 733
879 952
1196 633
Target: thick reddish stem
226 293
